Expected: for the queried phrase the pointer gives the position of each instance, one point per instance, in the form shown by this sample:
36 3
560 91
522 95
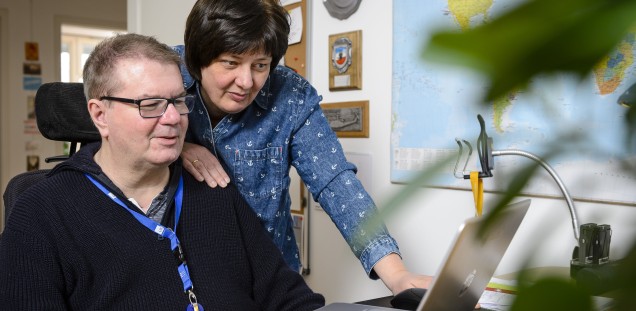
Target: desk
386 302
532 273
602 298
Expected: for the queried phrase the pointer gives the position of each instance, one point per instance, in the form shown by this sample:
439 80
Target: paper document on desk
499 294
603 303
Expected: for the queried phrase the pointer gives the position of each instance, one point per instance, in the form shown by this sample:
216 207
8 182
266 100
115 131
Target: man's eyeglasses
156 107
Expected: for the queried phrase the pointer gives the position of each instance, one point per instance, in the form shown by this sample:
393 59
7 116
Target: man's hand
203 165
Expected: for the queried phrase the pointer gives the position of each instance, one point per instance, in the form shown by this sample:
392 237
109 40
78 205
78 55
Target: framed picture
348 119
345 61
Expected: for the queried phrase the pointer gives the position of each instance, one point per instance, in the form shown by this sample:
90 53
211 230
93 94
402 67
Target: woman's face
232 81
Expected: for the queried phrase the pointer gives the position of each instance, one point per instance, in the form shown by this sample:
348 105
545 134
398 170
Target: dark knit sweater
67 246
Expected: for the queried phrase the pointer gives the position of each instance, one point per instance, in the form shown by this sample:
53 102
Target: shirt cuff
380 248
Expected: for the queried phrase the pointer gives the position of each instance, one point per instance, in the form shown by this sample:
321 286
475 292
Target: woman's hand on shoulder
203 165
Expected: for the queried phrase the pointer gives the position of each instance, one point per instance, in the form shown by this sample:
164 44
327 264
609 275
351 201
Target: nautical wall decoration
345 61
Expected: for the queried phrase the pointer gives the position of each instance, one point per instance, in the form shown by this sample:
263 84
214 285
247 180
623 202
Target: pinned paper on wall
30 107
32 69
30 127
31 147
31 83
33 163
296 25
296 55
31 51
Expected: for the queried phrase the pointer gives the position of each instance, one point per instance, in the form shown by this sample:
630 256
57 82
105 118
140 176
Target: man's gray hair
99 74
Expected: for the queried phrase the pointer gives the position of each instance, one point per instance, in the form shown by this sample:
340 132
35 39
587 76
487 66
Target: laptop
468 267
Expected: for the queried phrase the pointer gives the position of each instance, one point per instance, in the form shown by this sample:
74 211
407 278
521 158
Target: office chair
61 114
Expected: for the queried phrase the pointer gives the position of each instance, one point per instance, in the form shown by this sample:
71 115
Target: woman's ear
97 109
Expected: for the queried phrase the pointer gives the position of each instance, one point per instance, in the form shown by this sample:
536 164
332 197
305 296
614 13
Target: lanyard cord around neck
165 232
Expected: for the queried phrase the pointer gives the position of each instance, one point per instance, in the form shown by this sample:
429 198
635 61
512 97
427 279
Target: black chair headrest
61 113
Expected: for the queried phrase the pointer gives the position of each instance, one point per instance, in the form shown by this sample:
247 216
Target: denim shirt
285 127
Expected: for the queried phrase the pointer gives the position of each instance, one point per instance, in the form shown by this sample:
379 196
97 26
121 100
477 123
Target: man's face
232 81
145 141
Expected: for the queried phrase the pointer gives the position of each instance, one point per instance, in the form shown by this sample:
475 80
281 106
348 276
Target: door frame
4 99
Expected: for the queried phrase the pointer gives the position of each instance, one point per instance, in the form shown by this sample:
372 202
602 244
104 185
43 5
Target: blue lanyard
165 232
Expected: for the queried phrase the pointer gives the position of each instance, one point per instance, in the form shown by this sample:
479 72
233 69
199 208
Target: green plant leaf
517 184
625 276
551 294
537 37
540 37
396 202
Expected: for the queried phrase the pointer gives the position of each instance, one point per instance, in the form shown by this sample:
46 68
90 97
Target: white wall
37 21
427 223
163 19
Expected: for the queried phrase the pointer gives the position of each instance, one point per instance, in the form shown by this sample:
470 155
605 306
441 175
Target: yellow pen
478 191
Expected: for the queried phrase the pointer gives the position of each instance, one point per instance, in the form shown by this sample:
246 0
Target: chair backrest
61 114
19 184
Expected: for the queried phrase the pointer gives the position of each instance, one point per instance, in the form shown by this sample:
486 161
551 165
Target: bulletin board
296 56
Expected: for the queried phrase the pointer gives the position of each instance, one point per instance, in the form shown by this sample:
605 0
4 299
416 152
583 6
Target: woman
259 119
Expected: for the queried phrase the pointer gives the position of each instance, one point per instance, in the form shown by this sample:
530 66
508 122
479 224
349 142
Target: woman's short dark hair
215 27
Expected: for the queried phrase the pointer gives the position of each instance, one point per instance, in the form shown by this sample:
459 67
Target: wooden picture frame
345 61
296 55
297 185
348 119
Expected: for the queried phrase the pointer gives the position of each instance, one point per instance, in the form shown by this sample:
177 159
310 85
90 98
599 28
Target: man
120 226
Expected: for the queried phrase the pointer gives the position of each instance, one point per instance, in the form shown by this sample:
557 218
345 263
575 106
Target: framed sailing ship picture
348 119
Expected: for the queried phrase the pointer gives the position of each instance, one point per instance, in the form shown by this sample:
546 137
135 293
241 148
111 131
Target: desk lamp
590 265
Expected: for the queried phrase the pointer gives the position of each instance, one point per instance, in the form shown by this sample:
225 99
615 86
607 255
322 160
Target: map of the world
434 104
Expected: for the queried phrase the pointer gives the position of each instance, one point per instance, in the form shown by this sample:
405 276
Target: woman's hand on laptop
396 277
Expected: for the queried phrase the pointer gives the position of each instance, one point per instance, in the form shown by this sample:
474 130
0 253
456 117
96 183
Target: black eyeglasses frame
188 98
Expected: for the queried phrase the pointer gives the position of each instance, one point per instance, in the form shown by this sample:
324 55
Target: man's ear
97 109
